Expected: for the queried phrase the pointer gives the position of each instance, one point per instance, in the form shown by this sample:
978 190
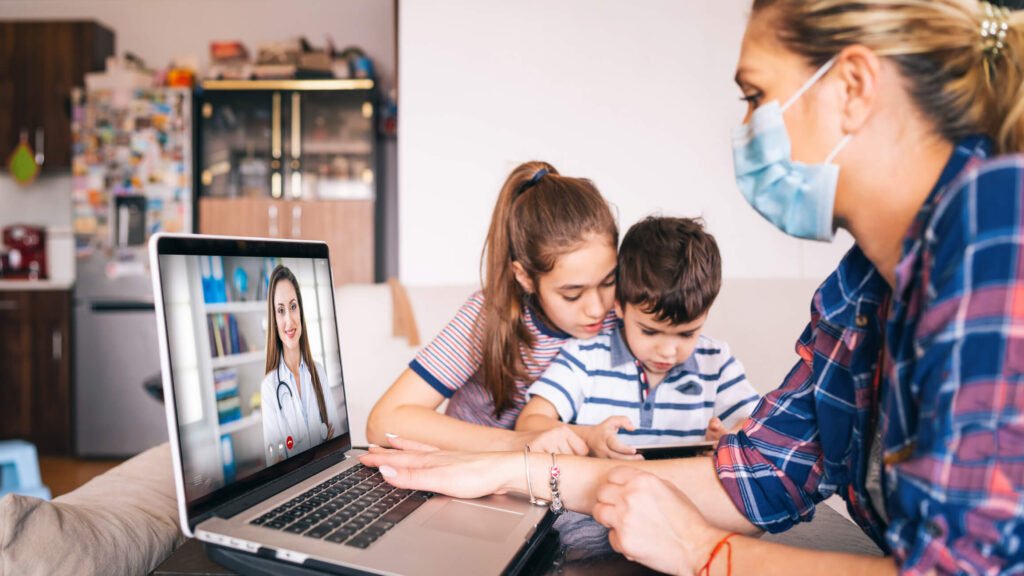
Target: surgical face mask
797 198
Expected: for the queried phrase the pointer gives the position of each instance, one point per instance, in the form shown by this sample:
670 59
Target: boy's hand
604 442
557 440
716 429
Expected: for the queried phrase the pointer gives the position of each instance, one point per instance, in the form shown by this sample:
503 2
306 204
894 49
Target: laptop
252 478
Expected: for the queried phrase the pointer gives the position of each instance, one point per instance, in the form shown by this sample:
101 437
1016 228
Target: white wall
637 96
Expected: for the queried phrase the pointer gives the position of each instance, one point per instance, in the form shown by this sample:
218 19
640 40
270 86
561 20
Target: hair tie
533 180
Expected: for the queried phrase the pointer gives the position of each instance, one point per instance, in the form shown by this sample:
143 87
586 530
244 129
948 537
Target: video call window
245 401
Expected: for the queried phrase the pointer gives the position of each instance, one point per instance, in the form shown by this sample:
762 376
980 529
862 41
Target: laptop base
539 561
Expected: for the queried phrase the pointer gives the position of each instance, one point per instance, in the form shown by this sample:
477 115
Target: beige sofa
125 521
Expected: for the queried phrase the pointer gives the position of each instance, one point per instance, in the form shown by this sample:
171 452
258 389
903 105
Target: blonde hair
937 44
538 217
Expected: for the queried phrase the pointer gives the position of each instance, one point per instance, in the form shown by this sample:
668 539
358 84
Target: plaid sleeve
956 501
735 397
562 383
773 467
454 355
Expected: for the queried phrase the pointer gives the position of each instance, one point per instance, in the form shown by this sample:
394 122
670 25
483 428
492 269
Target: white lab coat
298 420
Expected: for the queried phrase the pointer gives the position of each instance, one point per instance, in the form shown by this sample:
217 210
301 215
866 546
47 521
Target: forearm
756 556
697 478
431 427
580 478
541 422
536 423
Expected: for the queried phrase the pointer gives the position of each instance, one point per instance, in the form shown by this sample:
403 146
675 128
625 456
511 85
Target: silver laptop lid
251 364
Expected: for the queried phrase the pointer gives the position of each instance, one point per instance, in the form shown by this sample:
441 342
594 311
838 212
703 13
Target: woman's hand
558 440
458 474
652 522
603 439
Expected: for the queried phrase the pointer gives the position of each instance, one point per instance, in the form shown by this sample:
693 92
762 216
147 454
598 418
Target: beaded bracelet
529 485
556 498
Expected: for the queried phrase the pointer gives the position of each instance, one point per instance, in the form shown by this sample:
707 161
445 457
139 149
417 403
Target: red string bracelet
724 542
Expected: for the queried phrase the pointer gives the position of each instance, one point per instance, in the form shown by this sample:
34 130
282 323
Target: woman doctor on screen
298 409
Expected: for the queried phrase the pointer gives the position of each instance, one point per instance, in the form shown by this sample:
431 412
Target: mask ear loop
810 82
839 147
807 85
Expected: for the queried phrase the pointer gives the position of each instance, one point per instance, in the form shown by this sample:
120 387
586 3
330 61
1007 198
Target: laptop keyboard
355 507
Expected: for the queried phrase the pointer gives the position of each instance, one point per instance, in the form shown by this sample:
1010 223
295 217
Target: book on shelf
225 383
211 269
216 344
225 389
235 336
226 337
227 456
229 409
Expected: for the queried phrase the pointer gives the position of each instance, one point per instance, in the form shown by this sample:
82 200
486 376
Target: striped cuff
429 378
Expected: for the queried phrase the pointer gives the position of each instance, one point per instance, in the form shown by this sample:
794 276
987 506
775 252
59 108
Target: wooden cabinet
345 225
40 62
15 346
292 159
35 392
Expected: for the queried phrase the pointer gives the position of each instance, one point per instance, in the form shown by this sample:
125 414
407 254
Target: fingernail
373 445
390 435
388 472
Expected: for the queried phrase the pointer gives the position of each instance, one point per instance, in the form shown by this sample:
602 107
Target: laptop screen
255 364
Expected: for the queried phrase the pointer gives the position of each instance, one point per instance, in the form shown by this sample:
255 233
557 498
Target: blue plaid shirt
944 403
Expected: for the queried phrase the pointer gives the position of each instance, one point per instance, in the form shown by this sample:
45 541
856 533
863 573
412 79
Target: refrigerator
132 177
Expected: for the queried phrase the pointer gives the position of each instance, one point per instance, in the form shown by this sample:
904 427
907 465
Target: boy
655 379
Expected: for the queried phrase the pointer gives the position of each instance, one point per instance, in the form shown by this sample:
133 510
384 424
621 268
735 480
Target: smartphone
667 451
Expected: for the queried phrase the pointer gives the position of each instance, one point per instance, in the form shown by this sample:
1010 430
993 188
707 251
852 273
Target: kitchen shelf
349 84
337 148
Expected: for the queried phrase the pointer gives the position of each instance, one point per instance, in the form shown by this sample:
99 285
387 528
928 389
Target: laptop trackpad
474 520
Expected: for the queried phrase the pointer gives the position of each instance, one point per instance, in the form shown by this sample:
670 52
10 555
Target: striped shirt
592 380
451 363
946 409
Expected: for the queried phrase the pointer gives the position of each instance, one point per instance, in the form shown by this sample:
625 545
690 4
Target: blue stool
19 470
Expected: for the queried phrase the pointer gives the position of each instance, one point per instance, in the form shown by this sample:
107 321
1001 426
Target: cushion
124 521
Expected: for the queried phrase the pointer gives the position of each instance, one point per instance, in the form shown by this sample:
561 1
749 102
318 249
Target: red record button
290 443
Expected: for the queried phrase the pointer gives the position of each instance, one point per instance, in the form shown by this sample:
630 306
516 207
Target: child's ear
619 311
523 278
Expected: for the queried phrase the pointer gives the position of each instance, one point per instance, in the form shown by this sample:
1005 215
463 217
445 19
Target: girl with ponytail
548 268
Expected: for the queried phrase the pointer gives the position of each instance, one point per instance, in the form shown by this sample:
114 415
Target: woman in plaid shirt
902 122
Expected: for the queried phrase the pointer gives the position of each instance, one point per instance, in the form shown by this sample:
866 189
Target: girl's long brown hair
274 345
538 217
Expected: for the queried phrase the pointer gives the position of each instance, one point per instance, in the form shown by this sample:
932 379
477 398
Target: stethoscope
284 392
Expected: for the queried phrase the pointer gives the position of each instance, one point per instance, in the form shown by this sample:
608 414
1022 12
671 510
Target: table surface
828 531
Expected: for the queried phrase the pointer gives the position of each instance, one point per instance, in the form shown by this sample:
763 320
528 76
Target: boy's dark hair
669 267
